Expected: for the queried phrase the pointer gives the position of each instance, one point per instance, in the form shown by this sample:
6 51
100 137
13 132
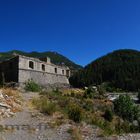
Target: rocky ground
23 126
10 103
29 124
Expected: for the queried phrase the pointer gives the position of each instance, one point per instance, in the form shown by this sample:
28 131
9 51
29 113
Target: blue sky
82 30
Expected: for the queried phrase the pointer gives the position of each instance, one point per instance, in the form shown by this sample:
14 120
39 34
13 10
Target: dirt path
27 127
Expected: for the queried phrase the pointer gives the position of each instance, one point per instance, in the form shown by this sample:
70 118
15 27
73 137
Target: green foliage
139 95
63 101
89 93
101 90
74 112
103 124
125 108
92 92
122 126
91 111
88 105
44 105
78 79
48 107
107 86
30 85
108 115
57 91
121 68
72 94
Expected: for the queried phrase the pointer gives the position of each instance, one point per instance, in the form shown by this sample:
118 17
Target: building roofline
34 59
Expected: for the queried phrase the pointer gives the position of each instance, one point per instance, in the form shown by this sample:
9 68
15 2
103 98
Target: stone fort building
20 69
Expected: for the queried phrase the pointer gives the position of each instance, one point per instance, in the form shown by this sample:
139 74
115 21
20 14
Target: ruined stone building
20 69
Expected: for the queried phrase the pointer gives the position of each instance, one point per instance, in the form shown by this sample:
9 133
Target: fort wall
42 78
21 69
49 74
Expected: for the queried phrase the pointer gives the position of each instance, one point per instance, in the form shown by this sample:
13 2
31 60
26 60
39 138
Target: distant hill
121 69
56 58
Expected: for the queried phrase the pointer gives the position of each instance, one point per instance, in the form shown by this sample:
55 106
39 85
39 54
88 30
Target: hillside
56 58
121 69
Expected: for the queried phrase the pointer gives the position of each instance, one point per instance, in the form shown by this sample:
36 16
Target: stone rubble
8 105
129 137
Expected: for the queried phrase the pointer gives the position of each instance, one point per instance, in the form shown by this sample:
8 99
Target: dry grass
12 92
76 134
1 128
44 105
14 99
75 91
35 103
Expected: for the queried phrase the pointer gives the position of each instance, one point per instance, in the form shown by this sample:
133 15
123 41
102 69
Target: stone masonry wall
49 76
42 77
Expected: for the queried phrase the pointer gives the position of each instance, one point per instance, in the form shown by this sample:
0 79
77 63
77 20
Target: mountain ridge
56 58
120 68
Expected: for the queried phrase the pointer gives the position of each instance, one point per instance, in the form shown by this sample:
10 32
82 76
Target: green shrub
30 85
44 105
122 126
113 89
63 101
134 129
101 90
88 105
125 126
57 91
72 94
126 109
108 115
74 112
89 93
110 89
47 107
104 125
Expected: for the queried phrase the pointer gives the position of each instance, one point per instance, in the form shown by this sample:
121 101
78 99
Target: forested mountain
121 69
56 58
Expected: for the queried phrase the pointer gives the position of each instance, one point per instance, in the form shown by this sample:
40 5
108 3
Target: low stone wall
42 78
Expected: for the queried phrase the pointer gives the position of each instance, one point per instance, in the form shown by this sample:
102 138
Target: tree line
119 69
